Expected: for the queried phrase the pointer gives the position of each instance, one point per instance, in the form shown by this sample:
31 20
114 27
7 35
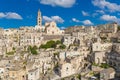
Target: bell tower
39 18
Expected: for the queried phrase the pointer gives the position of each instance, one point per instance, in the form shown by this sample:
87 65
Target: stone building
99 57
30 38
68 40
108 30
107 74
71 66
2 72
39 27
33 74
63 55
100 46
52 29
39 19
17 73
67 69
113 59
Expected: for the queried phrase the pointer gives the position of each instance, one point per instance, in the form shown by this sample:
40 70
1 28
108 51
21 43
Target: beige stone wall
17 75
67 69
52 29
99 57
101 46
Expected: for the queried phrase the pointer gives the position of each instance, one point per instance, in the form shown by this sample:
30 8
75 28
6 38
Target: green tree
49 44
41 46
62 46
62 79
33 50
35 47
104 65
79 76
52 44
13 48
58 42
29 48
10 53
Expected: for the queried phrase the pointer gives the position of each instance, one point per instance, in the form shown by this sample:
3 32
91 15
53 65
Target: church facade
50 28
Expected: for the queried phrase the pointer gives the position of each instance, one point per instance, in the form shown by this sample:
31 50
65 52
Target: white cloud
85 13
2 15
57 19
53 18
10 15
87 22
103 4
47 19
75 20
109 18
61 3
95 14
100 11
62 27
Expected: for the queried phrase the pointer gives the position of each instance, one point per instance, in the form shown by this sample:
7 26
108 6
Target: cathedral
50 28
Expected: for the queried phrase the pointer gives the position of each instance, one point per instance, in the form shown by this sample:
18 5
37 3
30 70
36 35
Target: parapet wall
51 37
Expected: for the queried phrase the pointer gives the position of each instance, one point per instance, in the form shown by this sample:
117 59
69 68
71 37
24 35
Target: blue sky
16 13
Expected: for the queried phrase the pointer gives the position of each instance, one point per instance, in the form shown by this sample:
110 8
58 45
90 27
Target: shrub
79 76
104 65
49 44
52 44
33 50
58 42
35 47
94 64
62 46
10 53
13 48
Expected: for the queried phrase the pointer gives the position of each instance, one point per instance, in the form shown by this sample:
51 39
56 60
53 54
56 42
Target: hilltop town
45 52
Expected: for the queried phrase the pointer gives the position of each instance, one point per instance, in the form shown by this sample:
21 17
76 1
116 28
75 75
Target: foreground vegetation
53 44
33 50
